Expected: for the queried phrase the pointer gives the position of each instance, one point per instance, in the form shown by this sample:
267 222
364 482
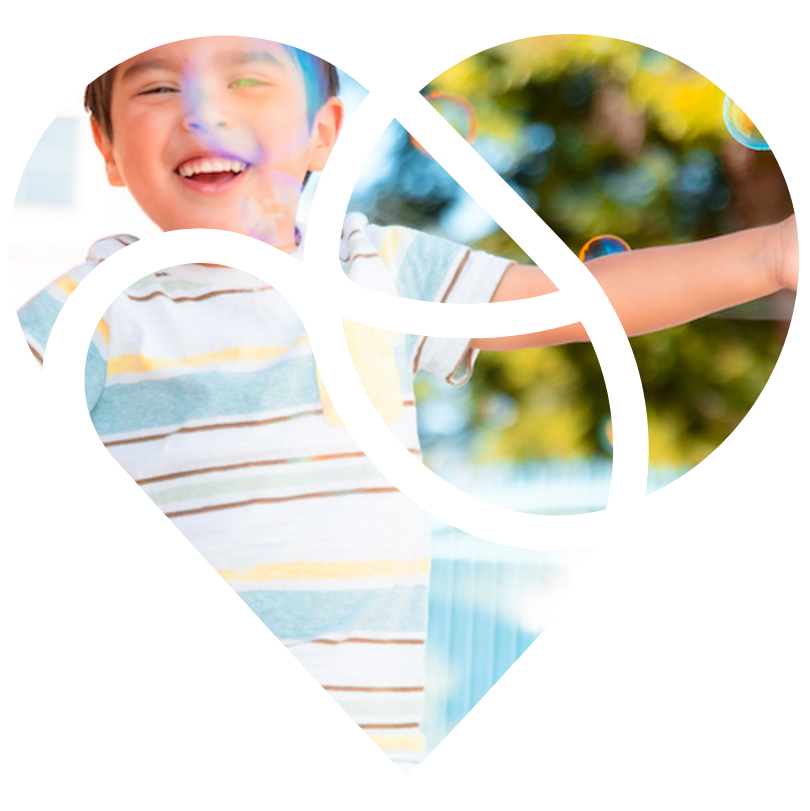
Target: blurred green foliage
605 136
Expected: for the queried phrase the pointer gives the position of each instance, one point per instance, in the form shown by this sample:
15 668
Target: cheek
145 139
287 137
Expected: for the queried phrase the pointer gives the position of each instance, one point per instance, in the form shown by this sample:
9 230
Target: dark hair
320 83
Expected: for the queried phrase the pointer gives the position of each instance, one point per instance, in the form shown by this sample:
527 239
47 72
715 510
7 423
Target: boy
202 385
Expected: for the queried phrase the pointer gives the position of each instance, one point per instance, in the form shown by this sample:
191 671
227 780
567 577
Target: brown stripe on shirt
345 689
189 429
270 462
447 292
214 293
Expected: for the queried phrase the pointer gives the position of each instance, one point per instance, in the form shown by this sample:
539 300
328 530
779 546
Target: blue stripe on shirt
208 395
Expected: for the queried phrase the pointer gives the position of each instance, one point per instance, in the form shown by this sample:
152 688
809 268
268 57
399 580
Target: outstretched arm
656 288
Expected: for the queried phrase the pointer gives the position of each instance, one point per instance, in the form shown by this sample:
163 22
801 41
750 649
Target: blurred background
599 136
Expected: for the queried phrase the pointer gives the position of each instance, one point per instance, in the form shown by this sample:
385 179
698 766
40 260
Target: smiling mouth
211 171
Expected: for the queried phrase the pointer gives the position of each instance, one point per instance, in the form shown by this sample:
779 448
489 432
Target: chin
202 235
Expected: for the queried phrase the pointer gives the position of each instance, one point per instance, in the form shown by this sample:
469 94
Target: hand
786 260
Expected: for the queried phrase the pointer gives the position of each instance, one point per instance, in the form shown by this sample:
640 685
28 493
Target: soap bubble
771 121
457 111
602 246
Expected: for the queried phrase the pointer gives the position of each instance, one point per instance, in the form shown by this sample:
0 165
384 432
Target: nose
204 112
205 118
201 124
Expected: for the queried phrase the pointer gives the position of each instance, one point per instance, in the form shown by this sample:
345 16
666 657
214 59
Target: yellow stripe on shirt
412 741
325 570
390 244
67 284
103 329
122 364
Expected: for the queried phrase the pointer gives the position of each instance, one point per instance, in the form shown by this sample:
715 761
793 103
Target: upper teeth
206 165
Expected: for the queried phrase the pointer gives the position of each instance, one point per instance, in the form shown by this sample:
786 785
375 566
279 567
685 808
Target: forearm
647 290
656 288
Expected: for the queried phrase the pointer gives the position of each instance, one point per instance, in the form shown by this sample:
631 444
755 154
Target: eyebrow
143 66
232 57
244 57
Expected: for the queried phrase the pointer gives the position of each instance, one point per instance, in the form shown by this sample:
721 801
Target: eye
248 82
159 90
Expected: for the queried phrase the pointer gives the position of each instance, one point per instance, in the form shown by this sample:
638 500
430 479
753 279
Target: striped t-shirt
202 384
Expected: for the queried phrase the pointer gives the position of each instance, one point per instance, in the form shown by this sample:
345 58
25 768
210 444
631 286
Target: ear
325 129
105 147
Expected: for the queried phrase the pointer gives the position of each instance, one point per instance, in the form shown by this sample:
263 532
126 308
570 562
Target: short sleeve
429 268
60 317
42 319
470 278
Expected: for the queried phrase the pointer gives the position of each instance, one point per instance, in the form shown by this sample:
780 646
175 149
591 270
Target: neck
270 254
223 255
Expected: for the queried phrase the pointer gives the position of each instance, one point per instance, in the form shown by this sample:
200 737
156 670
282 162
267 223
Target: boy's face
213 133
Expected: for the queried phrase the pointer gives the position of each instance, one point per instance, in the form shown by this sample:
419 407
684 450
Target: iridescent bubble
605 434
268 206
602 246
769 121
457 111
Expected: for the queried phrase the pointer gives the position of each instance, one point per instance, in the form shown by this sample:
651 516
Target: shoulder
38 315
419 265
95 280
104 248
392 243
